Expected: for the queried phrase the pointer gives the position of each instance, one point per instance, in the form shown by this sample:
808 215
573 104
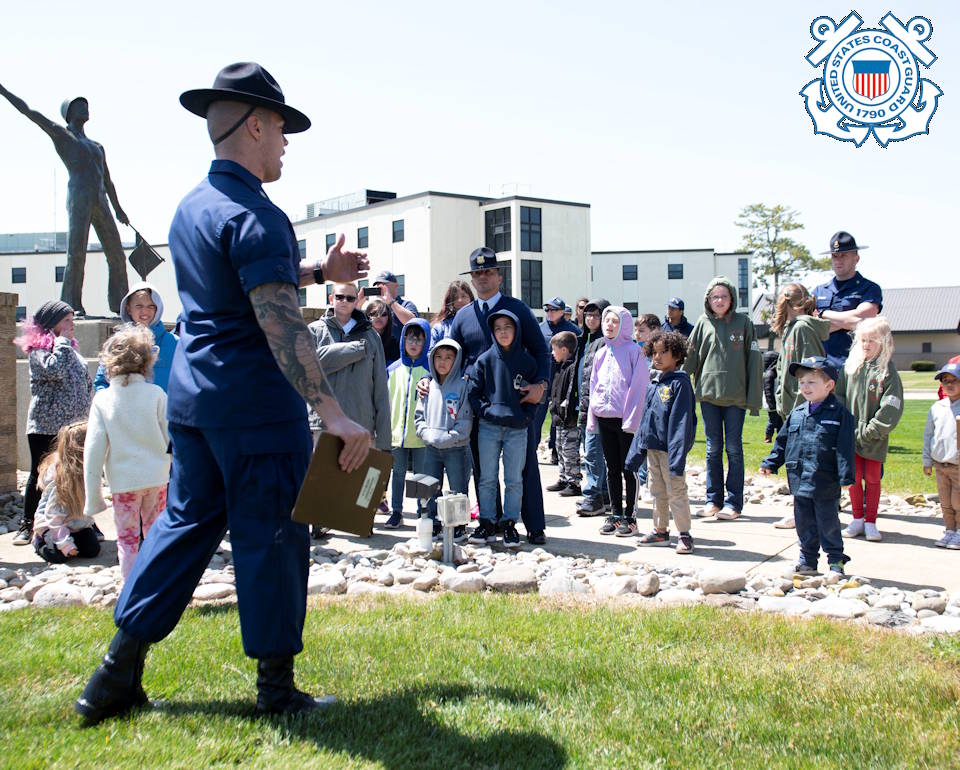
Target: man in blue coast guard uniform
846 299
244 367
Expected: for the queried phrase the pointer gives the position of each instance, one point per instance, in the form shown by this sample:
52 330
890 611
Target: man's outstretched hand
341 266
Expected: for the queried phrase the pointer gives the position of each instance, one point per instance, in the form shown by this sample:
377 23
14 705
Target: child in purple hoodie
618 387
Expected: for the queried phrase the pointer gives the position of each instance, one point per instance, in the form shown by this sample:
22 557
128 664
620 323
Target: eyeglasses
345 297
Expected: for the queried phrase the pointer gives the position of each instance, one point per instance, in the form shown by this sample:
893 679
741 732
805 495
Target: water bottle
425 533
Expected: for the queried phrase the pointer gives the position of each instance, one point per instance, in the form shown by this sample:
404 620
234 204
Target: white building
644 281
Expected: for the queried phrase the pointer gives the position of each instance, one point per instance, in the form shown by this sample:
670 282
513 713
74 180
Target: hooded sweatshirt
723 356
588 344
876 406
803 336
165 341
619 376
493 394
404 374
354 365
444 418
940 433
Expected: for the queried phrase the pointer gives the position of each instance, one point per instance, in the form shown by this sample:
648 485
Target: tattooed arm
292 345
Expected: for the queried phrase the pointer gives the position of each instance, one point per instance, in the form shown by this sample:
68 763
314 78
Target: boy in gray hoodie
444 419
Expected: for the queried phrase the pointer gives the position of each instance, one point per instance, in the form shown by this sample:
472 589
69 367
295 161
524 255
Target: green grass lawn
487 681
919 381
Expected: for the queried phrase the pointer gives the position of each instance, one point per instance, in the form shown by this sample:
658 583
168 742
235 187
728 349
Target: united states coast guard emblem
870 83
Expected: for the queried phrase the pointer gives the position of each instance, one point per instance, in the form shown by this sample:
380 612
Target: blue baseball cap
815 362
675 302
385 276
953 369
556 303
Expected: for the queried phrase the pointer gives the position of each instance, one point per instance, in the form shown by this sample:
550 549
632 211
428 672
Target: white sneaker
871 533
728 514
707 512
854 528
787 522
954 544
948 536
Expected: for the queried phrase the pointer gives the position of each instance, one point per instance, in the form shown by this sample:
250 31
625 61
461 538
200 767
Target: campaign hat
842 241
249 83
482 259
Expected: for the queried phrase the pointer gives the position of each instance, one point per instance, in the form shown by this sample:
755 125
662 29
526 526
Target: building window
58 272
531 282
633 308
397 230
302 297
674 271
506 270
18 275
743 281
401 284
363 237
926 347
530 229
331 239
629 272
498 229
302 248
21 313
363 283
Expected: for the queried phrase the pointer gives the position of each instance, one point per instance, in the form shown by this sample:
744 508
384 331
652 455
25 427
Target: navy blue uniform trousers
818 526
245 480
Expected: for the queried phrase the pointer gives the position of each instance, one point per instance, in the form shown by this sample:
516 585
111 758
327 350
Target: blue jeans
818 526
456 463
494 439
723 426
595 469
400 455
642 472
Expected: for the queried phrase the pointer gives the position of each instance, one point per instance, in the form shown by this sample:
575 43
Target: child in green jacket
873 392
803 336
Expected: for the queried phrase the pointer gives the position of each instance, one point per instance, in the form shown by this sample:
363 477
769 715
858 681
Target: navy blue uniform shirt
226 239
843 296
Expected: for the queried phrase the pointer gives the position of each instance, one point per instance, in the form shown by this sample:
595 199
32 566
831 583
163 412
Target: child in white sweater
127 432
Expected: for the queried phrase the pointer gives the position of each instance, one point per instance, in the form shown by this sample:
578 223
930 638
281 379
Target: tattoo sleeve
276 309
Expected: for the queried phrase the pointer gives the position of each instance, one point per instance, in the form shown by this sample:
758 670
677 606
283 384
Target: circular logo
871 76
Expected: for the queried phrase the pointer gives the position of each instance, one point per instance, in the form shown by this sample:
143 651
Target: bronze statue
87 192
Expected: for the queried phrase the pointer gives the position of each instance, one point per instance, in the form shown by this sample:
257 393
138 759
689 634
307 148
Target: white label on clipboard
368 487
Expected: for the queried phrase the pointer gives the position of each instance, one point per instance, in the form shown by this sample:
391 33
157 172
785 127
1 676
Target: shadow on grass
397 730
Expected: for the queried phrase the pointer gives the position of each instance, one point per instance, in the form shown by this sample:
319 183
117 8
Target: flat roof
652 251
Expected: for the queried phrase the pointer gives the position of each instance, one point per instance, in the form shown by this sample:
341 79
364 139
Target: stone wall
8 393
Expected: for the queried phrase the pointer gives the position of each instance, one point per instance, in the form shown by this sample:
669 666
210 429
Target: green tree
777 258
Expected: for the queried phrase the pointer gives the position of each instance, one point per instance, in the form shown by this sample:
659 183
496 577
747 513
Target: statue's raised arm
52 129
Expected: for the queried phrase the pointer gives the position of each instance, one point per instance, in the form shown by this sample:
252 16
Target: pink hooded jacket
618 382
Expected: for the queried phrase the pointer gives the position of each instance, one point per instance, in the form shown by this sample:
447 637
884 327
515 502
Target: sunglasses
345 297
376 315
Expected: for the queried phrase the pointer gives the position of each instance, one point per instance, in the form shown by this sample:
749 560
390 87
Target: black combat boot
115 686
276 693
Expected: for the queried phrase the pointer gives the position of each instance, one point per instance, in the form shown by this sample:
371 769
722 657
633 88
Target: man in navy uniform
556 321
243 368
471 331
847 299
675 320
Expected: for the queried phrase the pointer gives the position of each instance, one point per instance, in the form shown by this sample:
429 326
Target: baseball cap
385 276
953 369
815 362
675 302
556 303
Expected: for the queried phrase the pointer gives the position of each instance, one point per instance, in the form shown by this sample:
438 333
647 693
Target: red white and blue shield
871 78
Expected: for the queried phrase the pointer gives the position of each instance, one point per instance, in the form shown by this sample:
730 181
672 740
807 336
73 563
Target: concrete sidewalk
906 556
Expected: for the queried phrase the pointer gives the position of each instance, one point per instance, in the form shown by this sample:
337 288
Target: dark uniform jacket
669 422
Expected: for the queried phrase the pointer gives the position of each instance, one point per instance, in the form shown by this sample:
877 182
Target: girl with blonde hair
873 392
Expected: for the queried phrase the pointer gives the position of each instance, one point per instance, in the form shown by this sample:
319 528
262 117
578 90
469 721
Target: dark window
591 273
633 308
331 239
743 281
397 230
363 237
926 347
302 248
401 284
21 313
19 275
506 287
58 272
498 229
629 272
674 271
302 297
531 282
363 283
529 229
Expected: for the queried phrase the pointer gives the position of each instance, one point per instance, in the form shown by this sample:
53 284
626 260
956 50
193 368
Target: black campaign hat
482 259
842 241
249 83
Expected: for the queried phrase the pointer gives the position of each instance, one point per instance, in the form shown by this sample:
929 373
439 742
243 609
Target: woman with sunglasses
381 318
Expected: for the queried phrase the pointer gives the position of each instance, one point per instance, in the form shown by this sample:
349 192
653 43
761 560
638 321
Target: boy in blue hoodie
665 437
495 396
402 377
444 420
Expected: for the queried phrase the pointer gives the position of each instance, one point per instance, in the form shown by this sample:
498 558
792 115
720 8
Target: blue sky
666 119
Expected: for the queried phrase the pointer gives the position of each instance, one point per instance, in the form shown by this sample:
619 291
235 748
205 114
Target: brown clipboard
342 501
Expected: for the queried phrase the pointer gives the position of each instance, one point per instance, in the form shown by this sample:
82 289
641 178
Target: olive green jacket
877 406
804 336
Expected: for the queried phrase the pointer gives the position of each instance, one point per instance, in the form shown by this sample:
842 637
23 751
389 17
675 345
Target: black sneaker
24 535
590 508
460 534
610 525
511 538
557 486
395 521
537 537
485 533
802 568
318 532
572 490
627 528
